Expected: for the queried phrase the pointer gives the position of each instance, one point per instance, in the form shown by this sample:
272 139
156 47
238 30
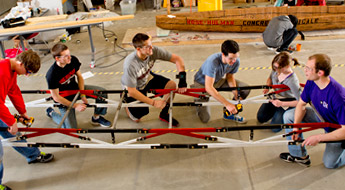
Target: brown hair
139 40
57 49
322 62
284 59
30 59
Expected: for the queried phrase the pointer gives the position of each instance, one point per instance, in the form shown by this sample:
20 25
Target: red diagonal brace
72 135
193 95
311 126
202 130
49 130
195 135
151 136
37 134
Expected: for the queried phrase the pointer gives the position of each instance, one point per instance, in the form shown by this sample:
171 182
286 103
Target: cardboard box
186 3
210 5
24 3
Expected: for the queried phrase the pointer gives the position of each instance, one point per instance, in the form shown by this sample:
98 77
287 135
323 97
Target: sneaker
43 158
129 114
288 158
235 117
203 113
165 117
100 121
4 187
271 48
49 112
281 50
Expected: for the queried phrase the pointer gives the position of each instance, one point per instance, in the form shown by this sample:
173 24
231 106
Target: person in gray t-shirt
138 78
280 32
282 73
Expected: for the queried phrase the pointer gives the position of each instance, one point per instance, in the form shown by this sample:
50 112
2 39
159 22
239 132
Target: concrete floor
231 168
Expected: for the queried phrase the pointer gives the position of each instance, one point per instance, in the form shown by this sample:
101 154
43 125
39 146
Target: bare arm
81 86
56 96
232 83
279 103
181 68
178 61
134 93
13 129
209 81
299 115
300 111
268 82
336 135
80 80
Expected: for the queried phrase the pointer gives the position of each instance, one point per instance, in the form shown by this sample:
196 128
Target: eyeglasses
65 56
147 47
232 59
308 68
28 72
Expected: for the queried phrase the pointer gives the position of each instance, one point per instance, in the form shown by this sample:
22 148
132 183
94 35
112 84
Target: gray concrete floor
230 168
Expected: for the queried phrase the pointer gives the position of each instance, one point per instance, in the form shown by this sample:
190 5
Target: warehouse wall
6 5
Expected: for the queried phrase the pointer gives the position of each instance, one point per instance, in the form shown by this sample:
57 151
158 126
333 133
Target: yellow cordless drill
239 108
24 121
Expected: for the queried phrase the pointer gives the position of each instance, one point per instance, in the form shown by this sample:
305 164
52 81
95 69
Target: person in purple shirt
328 99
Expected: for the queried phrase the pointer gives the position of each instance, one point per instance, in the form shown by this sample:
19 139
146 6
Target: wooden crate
240 1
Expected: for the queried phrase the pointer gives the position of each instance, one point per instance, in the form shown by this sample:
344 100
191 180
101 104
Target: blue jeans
268 111
30 153
1 164
71 120
334 155
289 117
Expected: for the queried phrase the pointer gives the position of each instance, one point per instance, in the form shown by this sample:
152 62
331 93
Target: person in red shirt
311 2
24 64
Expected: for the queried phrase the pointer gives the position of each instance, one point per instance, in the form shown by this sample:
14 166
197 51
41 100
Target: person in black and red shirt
63 75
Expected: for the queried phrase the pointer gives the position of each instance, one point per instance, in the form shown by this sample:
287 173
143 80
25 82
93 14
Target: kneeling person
280 32
328 98
218 72
62 76
138 78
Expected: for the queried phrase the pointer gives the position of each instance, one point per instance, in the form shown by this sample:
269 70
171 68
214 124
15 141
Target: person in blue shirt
218 71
